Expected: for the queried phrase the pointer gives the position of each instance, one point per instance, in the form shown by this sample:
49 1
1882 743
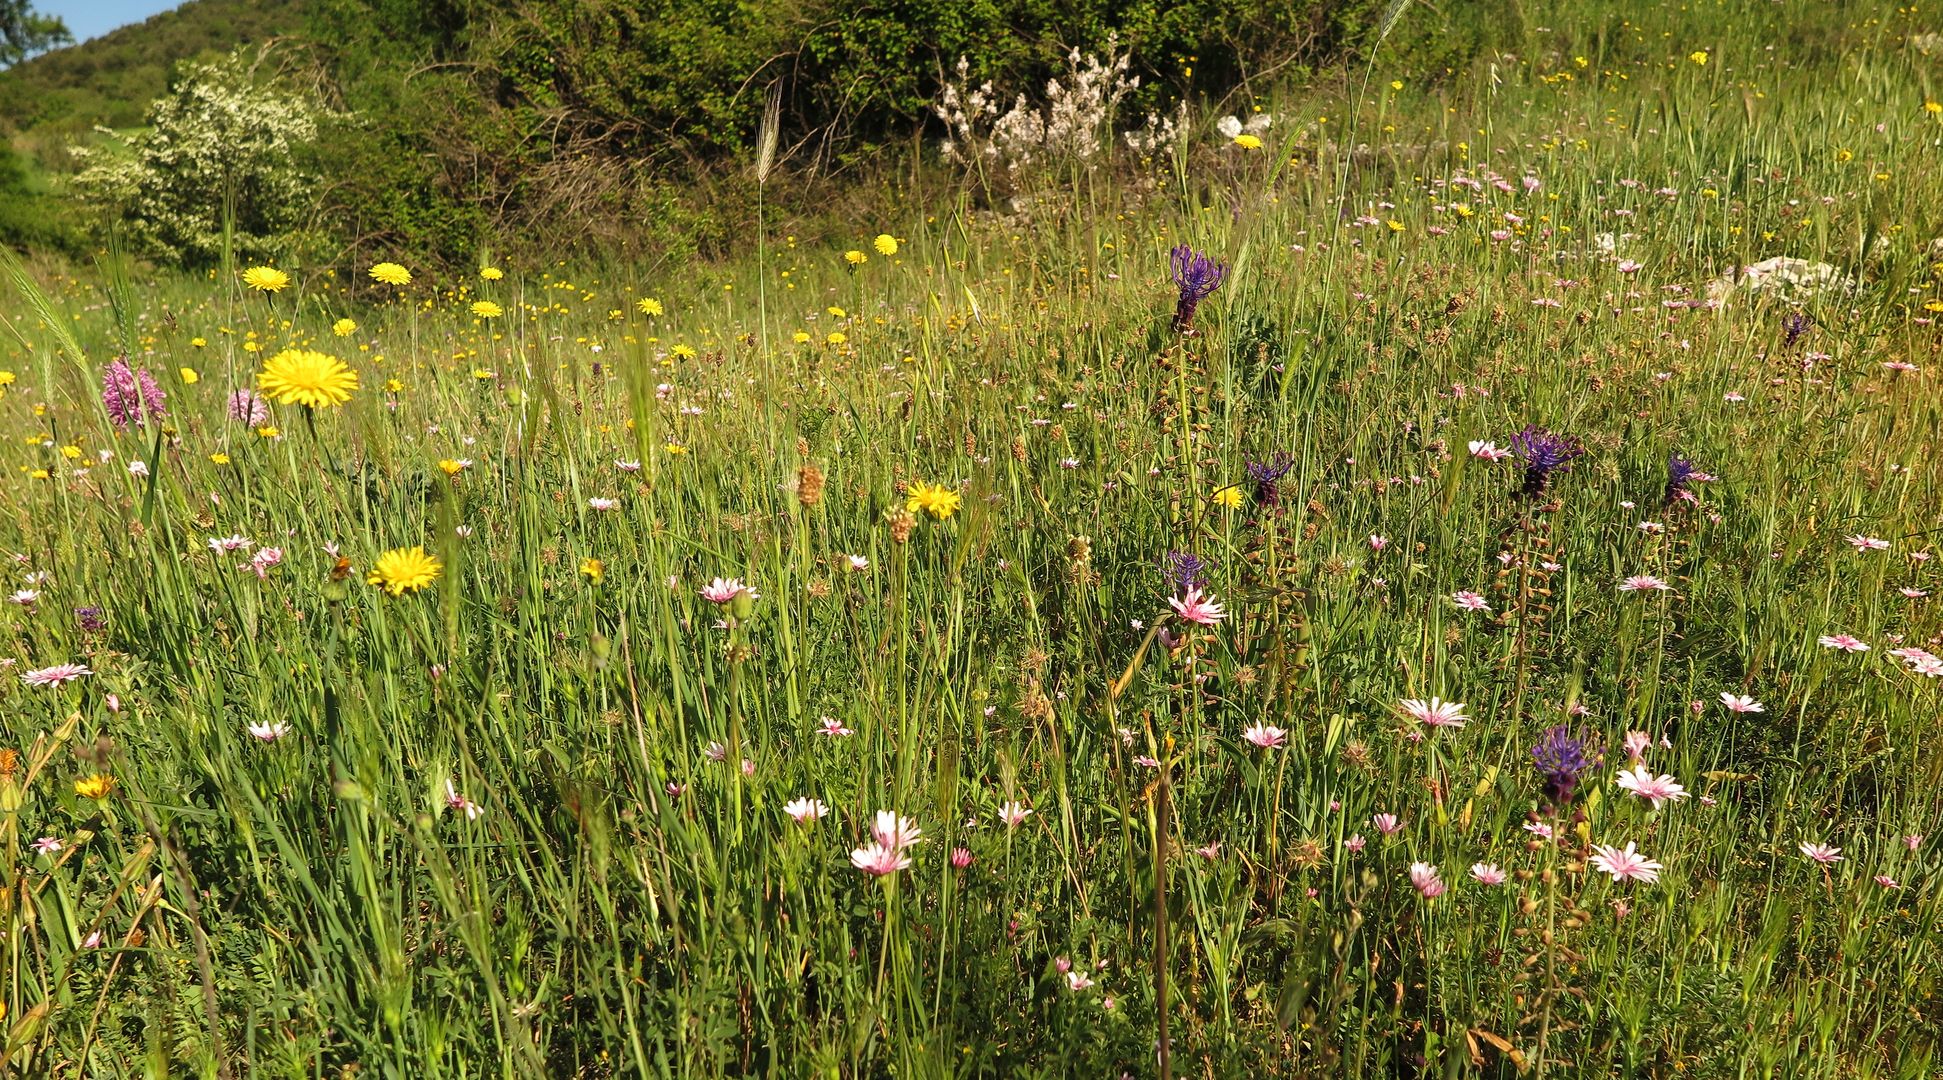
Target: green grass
625 905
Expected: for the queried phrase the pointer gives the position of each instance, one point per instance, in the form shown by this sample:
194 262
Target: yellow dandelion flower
835 311
403 570
491 273
685 352
306 377
198 342
648 305
836 337
1395 225
1844 155
592 569
266 279
886 244
676 449
70 452
344 327
268 431
94 787
219 458
390 273
451 467
1228 497
800 337
393 386
1698 56
855 257
486 309
190 376
939 501
1248 142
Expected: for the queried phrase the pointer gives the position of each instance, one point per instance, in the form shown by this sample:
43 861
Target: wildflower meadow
1424 573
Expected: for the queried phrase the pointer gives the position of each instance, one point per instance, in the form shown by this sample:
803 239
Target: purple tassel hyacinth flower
1196 276
131 396
1266 476
1543 453
1184 571
1681 475
1563 757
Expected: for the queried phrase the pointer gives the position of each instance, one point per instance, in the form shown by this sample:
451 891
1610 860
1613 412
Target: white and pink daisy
1264 736
1423 876
1435 713
1654 789
1741 703
1485 873
878 859
806 811
1821 853
1844 642
1625 864
893 830
1196 608
724 590
1470 601
1644 583
56 675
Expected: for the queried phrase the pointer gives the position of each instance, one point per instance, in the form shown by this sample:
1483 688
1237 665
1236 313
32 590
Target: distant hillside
111 79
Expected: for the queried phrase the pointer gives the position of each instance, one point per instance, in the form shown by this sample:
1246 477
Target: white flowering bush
217 143
1074 123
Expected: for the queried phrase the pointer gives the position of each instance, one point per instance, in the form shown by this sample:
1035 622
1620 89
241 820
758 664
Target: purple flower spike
1543 453
1563 756
1184 571
1197 276
131 397
1267 477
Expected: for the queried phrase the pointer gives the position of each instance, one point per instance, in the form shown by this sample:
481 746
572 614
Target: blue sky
93 18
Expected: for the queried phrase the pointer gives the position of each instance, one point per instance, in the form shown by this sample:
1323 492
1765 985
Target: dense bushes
602 123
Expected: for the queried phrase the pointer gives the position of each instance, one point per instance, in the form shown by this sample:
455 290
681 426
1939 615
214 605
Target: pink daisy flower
1470 601
878 860
1434 713
1644 583
724 590
1625 864
1196 608
1654 789
1821 853
1424 877
1844 642
1485 873
806 811
56 675
1265 736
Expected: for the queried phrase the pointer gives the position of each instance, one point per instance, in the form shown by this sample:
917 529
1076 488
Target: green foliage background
620 126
